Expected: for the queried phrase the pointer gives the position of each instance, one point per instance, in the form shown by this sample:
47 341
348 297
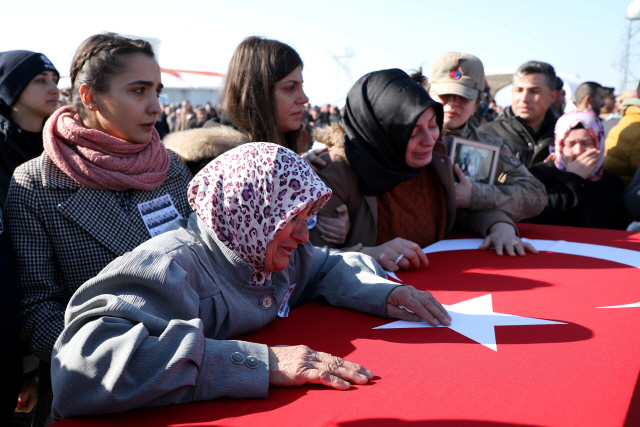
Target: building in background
198 87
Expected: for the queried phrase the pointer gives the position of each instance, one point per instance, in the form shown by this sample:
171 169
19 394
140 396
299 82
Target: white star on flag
475 319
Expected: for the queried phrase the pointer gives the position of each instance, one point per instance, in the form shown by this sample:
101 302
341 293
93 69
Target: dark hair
418 77
97 60
586 88
533 67
559 83
256 66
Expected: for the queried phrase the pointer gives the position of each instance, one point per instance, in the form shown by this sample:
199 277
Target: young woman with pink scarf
77 207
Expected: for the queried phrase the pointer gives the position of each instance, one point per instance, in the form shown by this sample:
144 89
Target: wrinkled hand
334 230
503 238
585 163
422 304
313 158
28 396
387 253
463 189
296 365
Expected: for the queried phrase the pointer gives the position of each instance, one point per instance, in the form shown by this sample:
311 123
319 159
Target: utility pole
633 14
343 62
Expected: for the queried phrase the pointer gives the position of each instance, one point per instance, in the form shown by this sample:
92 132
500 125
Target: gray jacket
154 327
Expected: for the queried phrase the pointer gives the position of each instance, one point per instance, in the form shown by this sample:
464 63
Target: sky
584 39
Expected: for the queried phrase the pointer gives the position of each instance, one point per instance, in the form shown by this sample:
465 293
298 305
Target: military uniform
515 191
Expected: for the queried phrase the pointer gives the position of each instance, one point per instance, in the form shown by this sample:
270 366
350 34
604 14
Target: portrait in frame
477 160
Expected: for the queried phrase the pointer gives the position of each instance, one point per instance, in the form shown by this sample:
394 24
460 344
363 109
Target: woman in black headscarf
389 166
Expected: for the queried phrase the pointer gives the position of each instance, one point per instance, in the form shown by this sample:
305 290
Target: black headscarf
381 111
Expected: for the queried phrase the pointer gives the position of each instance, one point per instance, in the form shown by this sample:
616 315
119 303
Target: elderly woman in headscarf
580 192
389 166
155 326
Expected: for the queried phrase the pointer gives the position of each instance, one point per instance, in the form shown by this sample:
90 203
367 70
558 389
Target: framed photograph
477 160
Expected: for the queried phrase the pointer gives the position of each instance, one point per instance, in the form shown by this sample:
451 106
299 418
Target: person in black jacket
527 125
28 95
10 360
580 192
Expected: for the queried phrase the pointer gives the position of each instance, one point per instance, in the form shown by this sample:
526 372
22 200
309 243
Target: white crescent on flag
607 253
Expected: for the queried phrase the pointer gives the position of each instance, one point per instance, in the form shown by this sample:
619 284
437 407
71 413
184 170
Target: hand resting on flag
396 254
421 303
503 238
298 365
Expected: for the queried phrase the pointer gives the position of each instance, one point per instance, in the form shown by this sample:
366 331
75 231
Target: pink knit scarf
101 161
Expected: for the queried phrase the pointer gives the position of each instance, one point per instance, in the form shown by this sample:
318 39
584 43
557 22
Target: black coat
576 202
10 356
162 126
16 147
529 147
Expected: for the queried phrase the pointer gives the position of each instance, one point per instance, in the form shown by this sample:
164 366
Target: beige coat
197 147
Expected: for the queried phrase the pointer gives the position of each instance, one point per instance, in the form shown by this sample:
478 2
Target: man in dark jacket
527 125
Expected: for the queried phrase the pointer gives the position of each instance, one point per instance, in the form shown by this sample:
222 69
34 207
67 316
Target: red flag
581 371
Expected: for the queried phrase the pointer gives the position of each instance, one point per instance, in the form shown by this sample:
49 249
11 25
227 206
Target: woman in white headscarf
580 192
156 326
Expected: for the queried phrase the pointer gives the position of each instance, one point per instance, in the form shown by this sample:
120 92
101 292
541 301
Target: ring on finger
514 242
398 259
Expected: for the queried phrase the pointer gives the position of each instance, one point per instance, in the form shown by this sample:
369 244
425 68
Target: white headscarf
565 124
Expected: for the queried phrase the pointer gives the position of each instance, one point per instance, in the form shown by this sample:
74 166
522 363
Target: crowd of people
139 239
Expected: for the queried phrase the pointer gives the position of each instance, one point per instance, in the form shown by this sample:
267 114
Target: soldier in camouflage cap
457 80
457 73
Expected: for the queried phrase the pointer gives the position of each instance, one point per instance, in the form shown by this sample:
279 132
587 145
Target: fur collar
330 135
195 145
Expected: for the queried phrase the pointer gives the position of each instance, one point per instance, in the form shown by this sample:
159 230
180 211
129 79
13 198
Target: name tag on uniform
283 311
158 213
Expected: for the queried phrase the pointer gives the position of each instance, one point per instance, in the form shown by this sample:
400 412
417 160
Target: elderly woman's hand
463 189
585 163
503 238
422 305
297 365
313 158
334 230
396 254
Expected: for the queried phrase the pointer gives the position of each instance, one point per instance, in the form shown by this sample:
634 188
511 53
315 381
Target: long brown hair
99 58
256 66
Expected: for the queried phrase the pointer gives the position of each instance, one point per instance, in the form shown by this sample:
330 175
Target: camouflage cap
458 74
